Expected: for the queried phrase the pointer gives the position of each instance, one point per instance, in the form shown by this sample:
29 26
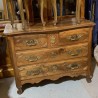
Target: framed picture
1 15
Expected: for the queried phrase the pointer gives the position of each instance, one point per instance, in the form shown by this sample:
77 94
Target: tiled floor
63 88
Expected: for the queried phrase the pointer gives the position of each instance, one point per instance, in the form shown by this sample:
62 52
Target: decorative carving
52 39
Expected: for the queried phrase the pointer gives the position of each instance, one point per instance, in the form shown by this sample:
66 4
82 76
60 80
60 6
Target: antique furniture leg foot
88 79
55 22
44 23
19 91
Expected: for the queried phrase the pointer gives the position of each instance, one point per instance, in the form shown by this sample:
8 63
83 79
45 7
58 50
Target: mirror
69 7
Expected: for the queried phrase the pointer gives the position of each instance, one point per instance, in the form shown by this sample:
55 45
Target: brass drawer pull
73 66
34 72
74 53
32 58
32 42
74 37
52 39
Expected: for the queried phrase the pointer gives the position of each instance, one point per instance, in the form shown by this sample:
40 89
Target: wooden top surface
49 28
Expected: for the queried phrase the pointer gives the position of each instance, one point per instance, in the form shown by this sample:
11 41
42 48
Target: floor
63 88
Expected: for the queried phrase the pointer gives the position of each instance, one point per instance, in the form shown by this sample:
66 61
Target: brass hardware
34 72
52 39
73 66
74 37
74 53
32 42
32 58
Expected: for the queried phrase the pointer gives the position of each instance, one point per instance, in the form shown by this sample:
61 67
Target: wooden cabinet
51 52
50 49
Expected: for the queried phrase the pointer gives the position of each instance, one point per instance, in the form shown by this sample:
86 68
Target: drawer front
30 41
56 54
74 36
46 69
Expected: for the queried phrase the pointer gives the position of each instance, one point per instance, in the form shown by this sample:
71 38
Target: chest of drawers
51 53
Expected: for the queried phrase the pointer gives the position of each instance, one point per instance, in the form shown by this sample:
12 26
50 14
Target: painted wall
1 5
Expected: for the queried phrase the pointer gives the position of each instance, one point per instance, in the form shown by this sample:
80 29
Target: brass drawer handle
32 42
52 39
34 72
73 66
32 58
74 37
74 53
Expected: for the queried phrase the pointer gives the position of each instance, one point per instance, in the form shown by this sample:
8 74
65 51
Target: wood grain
60 57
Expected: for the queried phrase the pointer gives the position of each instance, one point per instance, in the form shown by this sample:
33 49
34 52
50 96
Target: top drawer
74 36
30 41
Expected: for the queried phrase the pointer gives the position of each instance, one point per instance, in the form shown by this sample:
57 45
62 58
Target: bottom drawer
46 69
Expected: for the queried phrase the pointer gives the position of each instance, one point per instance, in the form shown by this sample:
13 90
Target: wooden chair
11 11
53 3
79 9
30 17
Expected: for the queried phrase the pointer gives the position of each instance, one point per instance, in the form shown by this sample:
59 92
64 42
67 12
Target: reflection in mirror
68 8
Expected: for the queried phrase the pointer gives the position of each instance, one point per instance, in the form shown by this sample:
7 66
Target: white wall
1 5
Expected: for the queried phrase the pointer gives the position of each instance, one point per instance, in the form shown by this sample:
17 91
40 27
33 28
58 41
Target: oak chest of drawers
51 52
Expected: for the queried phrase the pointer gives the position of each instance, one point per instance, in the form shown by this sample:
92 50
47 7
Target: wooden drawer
30 41
56 54
46 69
74 36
